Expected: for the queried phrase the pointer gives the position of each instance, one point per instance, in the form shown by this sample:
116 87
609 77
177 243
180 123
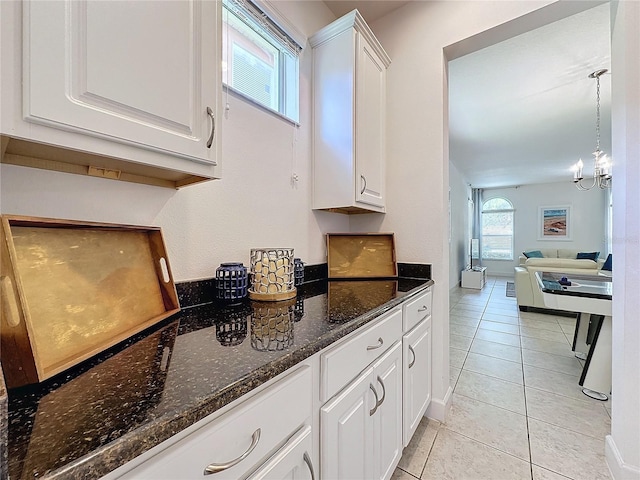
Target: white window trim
259 105
513 226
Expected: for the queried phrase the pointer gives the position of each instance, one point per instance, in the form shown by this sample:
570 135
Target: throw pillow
533 254
588 256
607 263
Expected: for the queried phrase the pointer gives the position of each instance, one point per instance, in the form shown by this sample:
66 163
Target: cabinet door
388 417
416 377
346 432
142 73
370 125
291 462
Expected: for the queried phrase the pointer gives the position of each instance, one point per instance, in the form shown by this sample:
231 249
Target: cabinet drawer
344 362
292 461
416 310
276 412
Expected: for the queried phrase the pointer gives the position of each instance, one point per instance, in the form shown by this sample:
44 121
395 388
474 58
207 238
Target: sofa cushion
561 263
608 264
533 254
567 253
588 256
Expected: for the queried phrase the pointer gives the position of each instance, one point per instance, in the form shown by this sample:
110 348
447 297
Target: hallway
518 411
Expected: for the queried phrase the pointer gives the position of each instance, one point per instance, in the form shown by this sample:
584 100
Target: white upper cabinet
141 79
349 99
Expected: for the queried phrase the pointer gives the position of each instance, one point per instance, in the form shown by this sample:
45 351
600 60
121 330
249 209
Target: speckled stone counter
4 427
105 412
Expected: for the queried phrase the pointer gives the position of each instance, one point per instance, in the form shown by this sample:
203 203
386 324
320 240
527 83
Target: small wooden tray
361 255
70 290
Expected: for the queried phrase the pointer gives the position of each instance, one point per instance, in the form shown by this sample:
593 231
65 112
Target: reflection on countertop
96 417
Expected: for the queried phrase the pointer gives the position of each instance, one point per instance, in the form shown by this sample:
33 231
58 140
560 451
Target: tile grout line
430 450
526 411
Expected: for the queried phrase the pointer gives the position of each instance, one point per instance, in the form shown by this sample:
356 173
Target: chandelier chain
598 113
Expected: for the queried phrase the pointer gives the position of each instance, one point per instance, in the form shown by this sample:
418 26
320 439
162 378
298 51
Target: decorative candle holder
272 274
298 270
231 281
272 325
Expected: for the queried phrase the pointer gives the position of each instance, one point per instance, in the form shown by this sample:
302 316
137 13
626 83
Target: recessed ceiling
523 111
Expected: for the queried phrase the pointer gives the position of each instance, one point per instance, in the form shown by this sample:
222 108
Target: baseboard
619 469
438 409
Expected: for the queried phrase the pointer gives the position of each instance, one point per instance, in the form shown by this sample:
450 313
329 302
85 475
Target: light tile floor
518 411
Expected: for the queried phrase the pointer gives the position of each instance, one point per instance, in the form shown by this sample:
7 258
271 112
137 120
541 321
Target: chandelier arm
583 188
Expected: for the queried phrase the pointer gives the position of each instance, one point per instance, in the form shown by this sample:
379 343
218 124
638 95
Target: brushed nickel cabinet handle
414 356
375 407
213 127
384 392
374 347
423 309
364 186
219 467
307 460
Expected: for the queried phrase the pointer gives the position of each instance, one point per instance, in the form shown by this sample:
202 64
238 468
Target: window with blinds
260 61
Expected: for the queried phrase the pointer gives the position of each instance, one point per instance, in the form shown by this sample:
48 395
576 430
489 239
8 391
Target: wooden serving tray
361 255
70 290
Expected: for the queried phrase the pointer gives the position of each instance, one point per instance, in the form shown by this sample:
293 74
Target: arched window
497 229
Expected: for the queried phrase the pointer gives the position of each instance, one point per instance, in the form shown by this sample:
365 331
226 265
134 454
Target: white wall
588 219
254 205
460 194
623 445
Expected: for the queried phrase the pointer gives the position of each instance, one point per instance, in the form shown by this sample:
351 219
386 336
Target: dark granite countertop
94 418
587 286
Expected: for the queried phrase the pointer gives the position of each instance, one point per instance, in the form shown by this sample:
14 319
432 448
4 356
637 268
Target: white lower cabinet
292 461
241 441
416 377
361 427
387 448
367 394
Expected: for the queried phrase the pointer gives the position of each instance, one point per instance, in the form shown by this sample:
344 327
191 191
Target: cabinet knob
414 356
219 467
375 407
213 127
307 460
374 347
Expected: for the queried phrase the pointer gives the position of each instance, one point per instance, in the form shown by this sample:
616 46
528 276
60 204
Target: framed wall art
554 223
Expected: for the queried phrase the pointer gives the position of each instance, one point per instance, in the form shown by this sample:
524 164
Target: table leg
580 346
596 374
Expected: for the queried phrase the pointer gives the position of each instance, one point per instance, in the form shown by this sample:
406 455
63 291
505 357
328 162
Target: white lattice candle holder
272 274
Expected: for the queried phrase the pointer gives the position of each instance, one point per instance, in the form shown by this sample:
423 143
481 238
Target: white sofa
555 260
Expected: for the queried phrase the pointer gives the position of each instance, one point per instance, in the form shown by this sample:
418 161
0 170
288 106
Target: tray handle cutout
9 302
165 270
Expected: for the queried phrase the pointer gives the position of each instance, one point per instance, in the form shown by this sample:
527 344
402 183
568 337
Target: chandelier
601 165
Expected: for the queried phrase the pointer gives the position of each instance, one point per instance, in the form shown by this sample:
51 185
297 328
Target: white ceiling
371 10
523 111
